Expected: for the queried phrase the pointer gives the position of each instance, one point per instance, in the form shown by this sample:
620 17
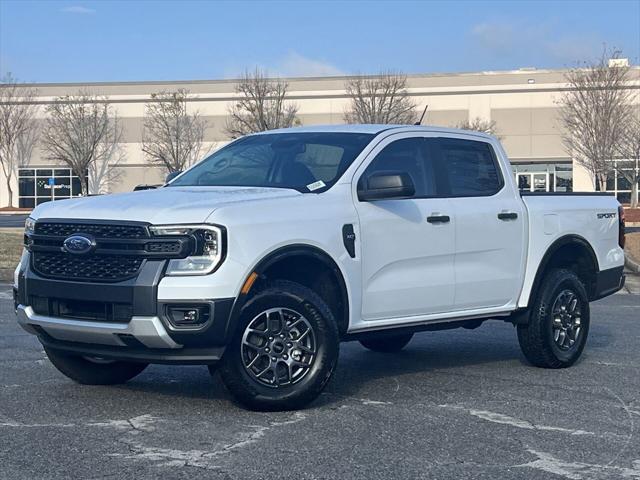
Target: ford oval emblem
78 244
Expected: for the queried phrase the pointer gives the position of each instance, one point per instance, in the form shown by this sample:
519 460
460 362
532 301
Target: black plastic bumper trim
213 333
140 292
608 281
182 356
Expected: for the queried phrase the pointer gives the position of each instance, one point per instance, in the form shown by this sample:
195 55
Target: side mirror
172 175
383 185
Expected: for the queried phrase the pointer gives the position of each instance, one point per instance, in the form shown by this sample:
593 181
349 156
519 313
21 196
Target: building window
40 185
618 184
544 177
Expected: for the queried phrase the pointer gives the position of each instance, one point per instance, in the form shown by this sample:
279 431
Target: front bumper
148 331
148 336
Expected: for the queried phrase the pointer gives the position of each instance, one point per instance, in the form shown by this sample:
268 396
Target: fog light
188 315
191 316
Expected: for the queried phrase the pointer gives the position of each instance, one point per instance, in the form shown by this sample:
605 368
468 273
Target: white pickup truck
266 255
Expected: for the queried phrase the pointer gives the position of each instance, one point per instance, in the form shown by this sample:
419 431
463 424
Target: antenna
419 122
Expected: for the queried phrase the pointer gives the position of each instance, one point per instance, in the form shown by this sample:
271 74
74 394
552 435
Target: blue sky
81 41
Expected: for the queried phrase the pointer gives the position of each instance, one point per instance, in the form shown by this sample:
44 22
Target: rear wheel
284 351
94 370
559 322
391 343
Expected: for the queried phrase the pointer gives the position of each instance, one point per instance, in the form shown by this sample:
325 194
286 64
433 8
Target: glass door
524 182
533 182
540 182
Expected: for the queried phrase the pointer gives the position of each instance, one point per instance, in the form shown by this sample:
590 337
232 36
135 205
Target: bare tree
27 143
17 128
81 131
594 112
628 162
172 137
380 99
105 171
261 105
480 125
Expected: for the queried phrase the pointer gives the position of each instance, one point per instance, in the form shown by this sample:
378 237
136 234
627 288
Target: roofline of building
520 71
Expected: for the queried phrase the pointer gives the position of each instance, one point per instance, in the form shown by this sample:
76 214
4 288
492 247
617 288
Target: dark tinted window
307 162
470 167
26 187
408 155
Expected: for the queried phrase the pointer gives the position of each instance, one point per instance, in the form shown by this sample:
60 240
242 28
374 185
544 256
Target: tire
387 344
94 371
284 321
542 340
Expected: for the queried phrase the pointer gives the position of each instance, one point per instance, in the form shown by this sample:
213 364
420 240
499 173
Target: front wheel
559 322
94 370
284 350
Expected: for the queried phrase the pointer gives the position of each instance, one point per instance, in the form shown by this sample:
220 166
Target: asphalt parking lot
454 404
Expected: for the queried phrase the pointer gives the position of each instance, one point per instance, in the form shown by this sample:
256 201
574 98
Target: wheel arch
306 264
573 252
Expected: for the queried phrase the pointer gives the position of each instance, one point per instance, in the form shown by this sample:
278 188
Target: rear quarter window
470 167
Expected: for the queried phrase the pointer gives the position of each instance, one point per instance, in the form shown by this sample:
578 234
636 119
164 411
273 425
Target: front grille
59 229
118 253
82 309
110 268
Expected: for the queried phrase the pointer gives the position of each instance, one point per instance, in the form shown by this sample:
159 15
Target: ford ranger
259 260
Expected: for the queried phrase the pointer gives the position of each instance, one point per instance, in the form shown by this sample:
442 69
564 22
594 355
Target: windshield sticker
316 185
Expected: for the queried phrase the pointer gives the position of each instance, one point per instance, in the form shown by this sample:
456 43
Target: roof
370 128
337 128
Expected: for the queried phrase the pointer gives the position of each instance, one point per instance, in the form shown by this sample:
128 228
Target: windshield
307 162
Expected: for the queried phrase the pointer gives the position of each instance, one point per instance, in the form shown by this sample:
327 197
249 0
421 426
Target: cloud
296 65
291 65
496 37
523 42
79 9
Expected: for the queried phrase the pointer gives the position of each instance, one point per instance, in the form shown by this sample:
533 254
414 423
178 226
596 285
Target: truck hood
169 205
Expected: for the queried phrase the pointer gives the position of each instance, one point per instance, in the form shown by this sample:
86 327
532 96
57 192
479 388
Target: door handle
438 219
507 215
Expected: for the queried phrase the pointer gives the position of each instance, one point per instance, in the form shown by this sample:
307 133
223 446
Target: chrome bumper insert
147 330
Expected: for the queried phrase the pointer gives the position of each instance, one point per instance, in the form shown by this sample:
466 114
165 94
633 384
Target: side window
470 168
408 155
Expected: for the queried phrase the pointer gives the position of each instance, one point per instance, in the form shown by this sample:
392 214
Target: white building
523 103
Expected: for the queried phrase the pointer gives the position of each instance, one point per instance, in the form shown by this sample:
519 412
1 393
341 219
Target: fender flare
279 254
553 248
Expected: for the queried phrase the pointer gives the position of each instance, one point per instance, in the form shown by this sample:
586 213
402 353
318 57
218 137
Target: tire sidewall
255 395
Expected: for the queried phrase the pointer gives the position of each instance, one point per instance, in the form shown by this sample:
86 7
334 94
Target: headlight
207 254
29 226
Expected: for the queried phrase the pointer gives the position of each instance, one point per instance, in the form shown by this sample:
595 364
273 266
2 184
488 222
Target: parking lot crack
578 470
168 457
141 423
515 422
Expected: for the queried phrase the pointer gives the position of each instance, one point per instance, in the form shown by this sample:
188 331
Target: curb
631 264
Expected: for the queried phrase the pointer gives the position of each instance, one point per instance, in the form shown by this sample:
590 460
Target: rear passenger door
489 224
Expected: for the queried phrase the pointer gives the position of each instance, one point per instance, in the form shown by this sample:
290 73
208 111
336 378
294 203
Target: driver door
408 245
